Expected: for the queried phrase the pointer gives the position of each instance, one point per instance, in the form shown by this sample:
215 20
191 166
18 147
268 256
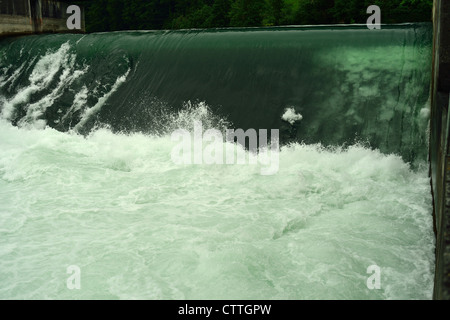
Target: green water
87 178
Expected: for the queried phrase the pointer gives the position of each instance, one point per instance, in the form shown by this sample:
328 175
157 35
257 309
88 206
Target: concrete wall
34 16
15 24
439 154
54 25
15 7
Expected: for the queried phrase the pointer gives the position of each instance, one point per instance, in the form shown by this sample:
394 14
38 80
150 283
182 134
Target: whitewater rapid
140 227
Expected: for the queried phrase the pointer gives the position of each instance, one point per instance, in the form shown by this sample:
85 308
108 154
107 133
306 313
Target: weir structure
35 16
439 152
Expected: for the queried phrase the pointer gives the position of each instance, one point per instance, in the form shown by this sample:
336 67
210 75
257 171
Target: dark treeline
111 15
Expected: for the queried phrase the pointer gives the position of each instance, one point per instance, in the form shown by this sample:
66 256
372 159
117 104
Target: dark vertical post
439 142
36 17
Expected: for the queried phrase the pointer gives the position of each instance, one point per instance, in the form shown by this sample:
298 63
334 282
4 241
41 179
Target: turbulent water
87 177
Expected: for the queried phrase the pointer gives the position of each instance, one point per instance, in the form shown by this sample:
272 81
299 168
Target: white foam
37 109
13 77
425 113
291 116
43 73
79 103
101 101
140 226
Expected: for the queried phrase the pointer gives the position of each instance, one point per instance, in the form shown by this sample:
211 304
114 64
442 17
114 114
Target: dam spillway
86 123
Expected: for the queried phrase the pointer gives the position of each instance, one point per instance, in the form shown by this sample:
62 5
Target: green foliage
274 13
220 16
110 15
247 13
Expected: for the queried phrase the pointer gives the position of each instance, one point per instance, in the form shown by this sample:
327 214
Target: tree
315 12
97 16
349 11
220 13
114 9
276 7
246 13
200 18
110 15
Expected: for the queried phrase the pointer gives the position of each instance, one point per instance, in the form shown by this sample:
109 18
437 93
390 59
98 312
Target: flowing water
87 178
